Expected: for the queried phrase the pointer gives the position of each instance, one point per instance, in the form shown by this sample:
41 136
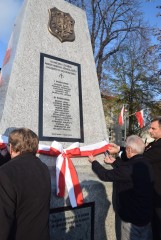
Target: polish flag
140 118
121 116
6 58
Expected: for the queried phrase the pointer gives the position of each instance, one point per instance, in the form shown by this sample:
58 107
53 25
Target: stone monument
50 86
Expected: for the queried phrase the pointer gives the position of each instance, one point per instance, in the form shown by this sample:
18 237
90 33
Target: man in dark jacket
153 154
24 190
134 182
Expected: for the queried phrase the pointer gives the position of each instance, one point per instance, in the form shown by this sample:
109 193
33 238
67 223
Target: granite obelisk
50 86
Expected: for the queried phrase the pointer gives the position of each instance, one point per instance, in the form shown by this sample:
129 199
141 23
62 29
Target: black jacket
4 159
153 154
24 199
134 182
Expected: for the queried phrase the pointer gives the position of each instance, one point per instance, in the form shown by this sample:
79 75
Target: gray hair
136 143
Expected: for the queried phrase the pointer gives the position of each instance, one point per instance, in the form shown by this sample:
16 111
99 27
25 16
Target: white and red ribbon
65 171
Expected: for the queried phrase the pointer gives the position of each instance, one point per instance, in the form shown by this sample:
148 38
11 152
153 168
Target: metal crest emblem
61 25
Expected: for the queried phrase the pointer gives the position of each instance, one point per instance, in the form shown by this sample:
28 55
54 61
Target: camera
107 153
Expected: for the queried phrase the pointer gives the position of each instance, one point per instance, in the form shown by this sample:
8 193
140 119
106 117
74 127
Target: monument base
94 191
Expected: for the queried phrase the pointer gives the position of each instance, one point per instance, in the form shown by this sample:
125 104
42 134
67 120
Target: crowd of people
25 186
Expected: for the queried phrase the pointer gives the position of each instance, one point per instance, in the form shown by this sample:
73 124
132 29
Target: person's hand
109 159
91 158
113 148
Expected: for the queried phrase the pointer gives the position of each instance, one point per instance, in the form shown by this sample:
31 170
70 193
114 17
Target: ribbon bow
66 173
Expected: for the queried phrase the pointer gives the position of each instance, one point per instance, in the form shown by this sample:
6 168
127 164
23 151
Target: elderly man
24 190
153 155
134 182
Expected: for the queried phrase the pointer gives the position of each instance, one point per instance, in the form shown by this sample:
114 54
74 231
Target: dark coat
25 188
153 154
134 182
4 159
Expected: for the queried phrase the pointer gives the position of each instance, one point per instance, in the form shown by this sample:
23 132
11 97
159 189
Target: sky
11 8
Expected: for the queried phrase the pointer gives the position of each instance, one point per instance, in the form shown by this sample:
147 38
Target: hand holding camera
108 158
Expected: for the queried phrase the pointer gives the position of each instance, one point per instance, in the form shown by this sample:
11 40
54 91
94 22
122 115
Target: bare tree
133 76
110 21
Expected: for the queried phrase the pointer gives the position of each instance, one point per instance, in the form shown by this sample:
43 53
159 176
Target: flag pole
125 123
125 130
135 112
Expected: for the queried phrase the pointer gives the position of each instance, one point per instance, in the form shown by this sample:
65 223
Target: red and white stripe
94 149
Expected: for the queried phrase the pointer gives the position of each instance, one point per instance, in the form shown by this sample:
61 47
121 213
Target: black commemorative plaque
60 100
69 223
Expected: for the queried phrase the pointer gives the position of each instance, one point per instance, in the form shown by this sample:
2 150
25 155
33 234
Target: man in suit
153 155
25 189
